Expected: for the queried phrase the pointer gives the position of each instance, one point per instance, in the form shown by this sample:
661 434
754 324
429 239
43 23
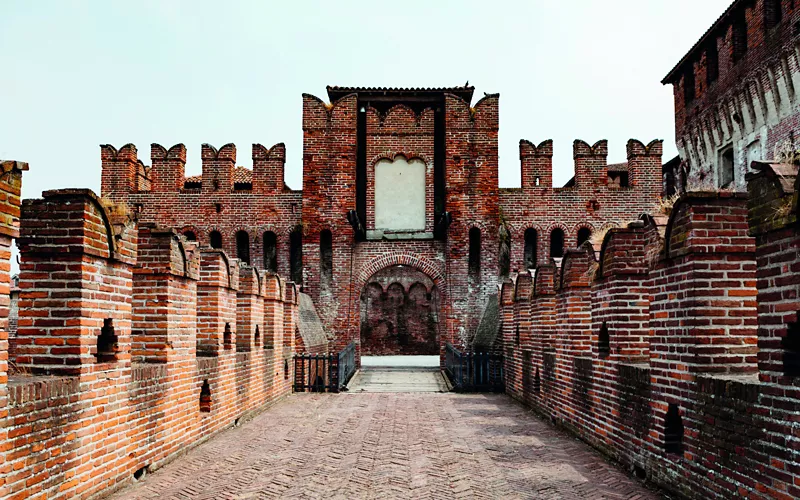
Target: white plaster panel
400 194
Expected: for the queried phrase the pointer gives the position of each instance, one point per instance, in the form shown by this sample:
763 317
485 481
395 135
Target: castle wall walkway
410 445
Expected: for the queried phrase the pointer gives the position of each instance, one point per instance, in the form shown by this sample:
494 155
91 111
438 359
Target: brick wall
750 106
108 383
673 351
592 201
454 138
212 203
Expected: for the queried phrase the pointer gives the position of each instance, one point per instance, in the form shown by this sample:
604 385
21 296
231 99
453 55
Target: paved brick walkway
379 445
398 380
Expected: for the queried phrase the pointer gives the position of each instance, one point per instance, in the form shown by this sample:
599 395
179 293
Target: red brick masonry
676 351
133 344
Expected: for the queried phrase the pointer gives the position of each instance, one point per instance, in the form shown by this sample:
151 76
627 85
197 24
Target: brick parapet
249 310
130 417
164 297
76 259
10 188
681 324
268 168
168 168
216 302
218 165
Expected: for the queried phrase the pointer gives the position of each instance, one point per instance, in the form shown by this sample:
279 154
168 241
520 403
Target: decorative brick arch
422 264
581 225
210 230
393 155
251 232
430 339
573 236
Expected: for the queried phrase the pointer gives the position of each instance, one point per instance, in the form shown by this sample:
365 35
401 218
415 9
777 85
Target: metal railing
346 365
474 372
324 372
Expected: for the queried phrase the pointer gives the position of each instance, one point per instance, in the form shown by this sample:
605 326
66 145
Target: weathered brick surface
81 416
392 446
593 202
750 106
700 315
359 128
265 205
10 188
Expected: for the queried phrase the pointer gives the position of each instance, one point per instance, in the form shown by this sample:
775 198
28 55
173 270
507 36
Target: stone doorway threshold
399 374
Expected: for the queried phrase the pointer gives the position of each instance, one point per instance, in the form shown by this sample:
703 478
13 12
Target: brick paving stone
391 445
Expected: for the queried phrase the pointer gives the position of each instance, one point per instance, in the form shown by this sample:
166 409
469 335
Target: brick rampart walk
354 446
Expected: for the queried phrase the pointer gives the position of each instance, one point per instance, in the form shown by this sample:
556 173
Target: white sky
75 74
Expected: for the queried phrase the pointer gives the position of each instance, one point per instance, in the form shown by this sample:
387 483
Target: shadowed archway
399 313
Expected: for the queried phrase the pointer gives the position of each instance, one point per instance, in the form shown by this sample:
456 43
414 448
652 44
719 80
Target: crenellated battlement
268 168
123 173
592 170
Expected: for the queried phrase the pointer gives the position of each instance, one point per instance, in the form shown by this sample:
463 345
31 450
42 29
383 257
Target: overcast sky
77 74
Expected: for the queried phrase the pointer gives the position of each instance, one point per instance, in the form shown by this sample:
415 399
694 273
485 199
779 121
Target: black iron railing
324 372
474 371
346 365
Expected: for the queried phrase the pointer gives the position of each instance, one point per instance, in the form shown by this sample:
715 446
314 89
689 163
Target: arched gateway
399 313
400 306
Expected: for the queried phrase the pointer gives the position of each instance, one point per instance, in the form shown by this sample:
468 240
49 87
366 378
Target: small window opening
474 252
205 397
557 243
218 207
215 239
227 337
192 185
516 335
712 62
190 235
243 246
216 184
325 259
537 382
739 37
257 336
726 174
531 241
242 186
673 430
285 369
537 181
791 353
604 341
773 14
296 256
107 343
617 180
689 85
270 252
504 253
584 234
